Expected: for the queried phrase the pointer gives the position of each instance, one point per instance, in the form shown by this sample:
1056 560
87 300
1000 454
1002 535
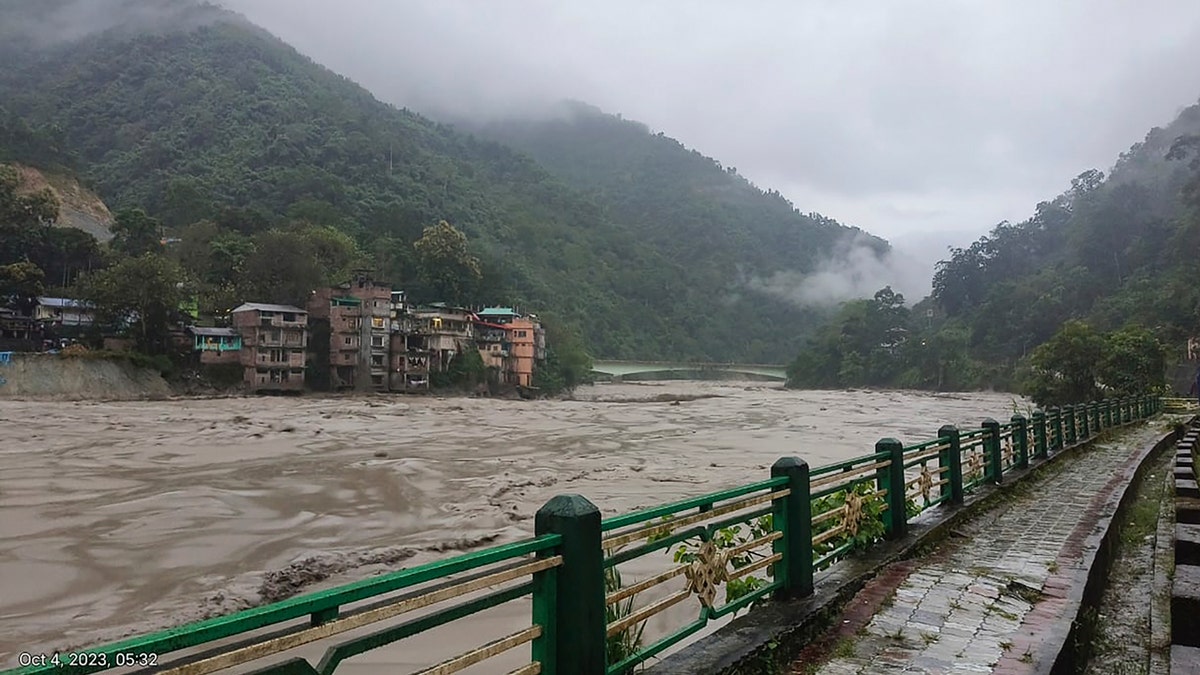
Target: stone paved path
982 602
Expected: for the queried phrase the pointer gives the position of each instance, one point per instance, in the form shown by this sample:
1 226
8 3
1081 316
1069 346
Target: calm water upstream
126 517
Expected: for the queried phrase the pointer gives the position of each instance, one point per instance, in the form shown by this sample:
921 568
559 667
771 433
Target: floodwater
119 518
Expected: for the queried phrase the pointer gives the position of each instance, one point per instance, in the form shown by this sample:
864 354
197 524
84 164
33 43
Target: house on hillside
274 340
216 345
63 312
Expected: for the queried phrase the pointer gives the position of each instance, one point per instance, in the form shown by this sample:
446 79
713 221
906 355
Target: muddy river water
118 518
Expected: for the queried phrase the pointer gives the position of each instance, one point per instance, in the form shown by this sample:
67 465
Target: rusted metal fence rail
754 542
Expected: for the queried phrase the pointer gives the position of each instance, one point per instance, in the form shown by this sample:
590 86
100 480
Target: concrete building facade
274 340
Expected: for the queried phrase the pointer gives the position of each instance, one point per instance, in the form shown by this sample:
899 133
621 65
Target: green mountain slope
678 199
187 111
1119 252
1115 250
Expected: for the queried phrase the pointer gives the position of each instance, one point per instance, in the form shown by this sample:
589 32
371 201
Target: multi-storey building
511 342
445 333
274 339
409 370
351 335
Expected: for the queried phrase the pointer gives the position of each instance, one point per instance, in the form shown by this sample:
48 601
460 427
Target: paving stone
954 614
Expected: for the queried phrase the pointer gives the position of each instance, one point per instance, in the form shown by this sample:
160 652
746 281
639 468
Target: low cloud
47 24
856 269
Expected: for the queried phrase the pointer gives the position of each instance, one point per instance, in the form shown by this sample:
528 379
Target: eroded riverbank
123 517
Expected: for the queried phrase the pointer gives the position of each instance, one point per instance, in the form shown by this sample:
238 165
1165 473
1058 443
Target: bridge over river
622 369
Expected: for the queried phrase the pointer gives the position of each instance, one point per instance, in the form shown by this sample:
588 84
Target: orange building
521 355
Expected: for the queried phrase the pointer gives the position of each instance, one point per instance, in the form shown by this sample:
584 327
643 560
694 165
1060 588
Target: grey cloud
45 23
855 270
875 101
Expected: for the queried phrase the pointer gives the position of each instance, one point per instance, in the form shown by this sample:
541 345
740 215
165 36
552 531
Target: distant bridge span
619 369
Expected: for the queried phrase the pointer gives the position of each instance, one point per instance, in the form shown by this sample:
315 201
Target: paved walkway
984 601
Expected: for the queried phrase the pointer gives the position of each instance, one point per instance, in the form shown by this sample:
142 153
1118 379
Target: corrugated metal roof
61 302
216 332
496 311
263 307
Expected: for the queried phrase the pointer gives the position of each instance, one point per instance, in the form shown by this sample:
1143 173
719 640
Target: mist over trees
1093 295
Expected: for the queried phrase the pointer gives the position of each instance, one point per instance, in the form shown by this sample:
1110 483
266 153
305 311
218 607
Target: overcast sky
904 118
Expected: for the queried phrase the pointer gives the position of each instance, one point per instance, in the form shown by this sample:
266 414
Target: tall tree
135 233
141 295
446 263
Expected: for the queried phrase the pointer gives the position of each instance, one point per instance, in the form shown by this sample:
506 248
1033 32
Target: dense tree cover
28 234
1080 364
1119 252
723 228
141 295
192 122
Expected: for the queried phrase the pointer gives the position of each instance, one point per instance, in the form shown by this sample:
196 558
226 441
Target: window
377 380
349 340
377 340
289 316
376 322
377 361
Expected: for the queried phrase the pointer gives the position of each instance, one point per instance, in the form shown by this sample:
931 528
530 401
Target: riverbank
92 378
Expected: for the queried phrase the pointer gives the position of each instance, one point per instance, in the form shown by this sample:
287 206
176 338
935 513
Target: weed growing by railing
628 642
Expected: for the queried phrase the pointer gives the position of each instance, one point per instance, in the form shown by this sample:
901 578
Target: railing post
1021 440
1039 434
891 479
792 516
1085 431
1094 415
580 629
951 459
992 448
1060 441
1108 416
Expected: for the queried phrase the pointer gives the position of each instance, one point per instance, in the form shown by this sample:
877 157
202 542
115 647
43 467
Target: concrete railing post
950 463
991 449
1021 440
580 632
891 478
792 516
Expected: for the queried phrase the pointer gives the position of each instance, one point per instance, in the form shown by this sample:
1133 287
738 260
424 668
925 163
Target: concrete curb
1099 548
775 633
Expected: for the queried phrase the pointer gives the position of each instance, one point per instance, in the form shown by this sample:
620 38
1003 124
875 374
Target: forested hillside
679 200
226 134
1119 253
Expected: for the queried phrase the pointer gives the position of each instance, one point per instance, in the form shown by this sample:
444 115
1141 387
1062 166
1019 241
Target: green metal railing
765 540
